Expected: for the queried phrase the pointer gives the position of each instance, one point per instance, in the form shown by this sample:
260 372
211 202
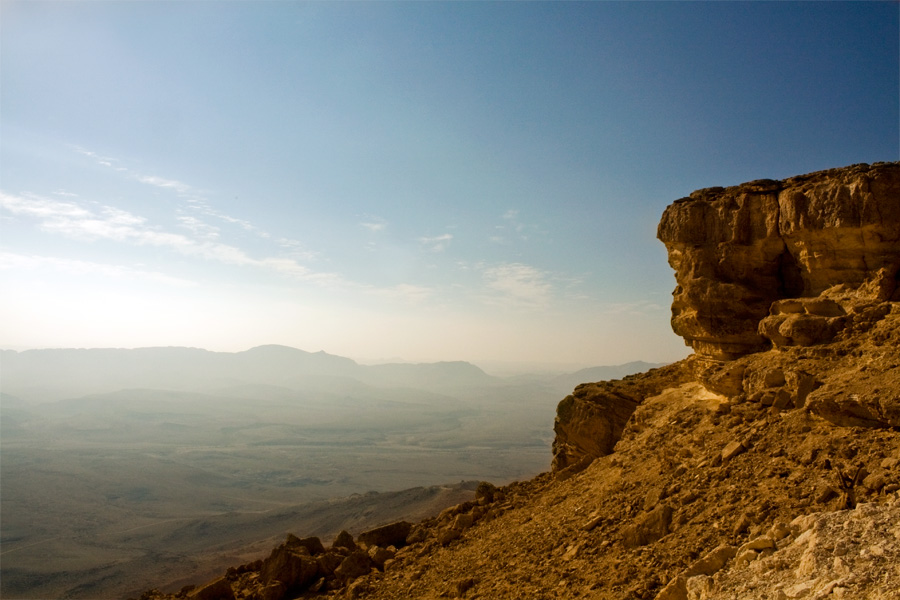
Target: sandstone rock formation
826 245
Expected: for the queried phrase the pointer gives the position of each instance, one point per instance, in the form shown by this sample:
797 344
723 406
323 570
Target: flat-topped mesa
783 262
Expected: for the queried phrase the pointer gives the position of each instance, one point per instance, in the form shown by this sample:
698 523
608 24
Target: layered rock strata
789 262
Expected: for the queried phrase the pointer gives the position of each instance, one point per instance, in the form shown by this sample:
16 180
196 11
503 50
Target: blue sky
419 180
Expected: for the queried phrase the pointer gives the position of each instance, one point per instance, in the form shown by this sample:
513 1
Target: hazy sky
425 180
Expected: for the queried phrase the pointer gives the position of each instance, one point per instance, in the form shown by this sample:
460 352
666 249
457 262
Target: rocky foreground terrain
766 465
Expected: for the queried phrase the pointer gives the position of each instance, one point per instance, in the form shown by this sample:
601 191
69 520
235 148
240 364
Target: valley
109 491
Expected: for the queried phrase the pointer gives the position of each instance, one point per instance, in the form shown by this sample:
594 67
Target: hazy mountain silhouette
53 374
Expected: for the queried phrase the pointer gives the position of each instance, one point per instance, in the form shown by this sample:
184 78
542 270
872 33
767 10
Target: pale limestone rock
675 590
711 562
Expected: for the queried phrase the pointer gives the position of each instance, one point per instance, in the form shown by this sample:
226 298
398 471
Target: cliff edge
766 465
782 262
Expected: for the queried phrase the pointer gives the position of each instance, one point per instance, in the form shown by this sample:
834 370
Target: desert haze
124 468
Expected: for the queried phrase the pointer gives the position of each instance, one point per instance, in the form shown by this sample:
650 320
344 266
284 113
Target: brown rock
825 493
463 521
858 405
732 449
380 555
344 540
293 566
355 565
652 527
712 562
445 536
328 562
762 542
393 534
590 421
357 589
217 589
738 250
485 491
675 590
312 544
272 591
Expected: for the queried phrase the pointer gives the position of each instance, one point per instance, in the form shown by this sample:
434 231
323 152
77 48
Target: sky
415 181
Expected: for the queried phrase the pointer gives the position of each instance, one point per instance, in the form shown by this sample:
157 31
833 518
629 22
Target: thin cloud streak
77 222
196 199
182 189
437 243
374 224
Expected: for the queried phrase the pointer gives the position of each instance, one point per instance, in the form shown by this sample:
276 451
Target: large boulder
393 534
293 566
355 565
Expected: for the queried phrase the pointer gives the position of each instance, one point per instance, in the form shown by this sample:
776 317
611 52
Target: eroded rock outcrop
789 262
590 421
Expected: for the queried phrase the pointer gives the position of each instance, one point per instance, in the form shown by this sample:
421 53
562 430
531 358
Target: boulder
712 562
393 534
380 556
344 540
328 562
675 590
484 493
217 589
312 544
293 566
355 565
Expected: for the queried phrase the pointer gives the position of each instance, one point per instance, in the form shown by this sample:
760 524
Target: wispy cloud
196 199
297 250
437 243
167 184
77 221
374 224
31 263
199 228
518 285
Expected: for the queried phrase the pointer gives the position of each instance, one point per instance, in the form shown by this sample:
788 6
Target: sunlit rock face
590 421
783 262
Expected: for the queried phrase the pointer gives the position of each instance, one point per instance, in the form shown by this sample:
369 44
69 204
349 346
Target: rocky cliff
766 465
783 262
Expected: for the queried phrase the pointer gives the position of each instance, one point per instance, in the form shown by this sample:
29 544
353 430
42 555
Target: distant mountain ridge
51 373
